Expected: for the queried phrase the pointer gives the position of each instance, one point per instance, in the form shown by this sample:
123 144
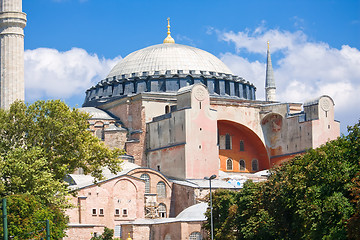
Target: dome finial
169 39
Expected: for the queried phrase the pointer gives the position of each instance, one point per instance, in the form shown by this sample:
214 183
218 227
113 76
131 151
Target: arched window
242 147
146 178
242 166
229 164
162 210
255 165
167 237
100 134
195 236
161 189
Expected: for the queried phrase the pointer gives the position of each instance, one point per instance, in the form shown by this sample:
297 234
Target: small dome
193 213
158 59
96 113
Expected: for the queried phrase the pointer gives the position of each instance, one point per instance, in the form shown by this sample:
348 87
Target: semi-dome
158 59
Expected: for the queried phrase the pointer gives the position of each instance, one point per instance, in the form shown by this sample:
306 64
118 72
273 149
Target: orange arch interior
253 148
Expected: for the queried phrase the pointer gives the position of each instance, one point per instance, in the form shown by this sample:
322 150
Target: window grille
229 164
195 236
161 189
146 178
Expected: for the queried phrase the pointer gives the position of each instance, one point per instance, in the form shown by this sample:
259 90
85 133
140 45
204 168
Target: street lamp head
210 178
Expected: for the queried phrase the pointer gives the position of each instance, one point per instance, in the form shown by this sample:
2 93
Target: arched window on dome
203 80
189 81
162 210
148 85
244 92
146 178
162 85
237 92
255 165
167 109
161 189
217 86
242 165
229 164
195 236
227 87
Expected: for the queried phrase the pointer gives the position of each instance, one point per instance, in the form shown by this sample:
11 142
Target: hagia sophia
181 115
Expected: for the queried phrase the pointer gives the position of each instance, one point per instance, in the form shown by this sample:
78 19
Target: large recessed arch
245 145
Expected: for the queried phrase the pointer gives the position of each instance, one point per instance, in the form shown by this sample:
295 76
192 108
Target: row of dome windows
215 86
242 165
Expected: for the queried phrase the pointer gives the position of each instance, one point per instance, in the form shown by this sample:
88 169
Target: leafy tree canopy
43 142
27 215
313 196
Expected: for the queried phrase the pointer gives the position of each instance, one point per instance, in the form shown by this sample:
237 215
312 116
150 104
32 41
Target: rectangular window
117 212
125 213
225 141
242 146
228 141
93 211
222 141
101 212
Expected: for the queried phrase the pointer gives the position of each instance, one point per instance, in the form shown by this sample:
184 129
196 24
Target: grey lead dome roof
158 59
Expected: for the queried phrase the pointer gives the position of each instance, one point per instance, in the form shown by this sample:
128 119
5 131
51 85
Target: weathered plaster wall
201 151
121 193
182 197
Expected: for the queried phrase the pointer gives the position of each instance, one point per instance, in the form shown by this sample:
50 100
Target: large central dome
165 68
158 59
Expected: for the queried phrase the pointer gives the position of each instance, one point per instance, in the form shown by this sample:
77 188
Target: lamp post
211 208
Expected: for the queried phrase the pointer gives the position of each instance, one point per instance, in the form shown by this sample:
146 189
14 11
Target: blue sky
72 44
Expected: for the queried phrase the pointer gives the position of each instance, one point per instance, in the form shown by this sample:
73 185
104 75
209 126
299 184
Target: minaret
169 39
270 88
12 23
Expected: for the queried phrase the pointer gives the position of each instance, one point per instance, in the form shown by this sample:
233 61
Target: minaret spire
169 39
12 23
270 88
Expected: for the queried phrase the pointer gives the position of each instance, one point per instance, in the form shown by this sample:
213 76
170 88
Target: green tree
314 196
27 215
43 142
107 235
40 144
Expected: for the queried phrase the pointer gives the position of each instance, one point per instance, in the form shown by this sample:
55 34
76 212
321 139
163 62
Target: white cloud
303 69
53 74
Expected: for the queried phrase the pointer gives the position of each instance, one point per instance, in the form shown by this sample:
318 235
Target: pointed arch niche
246 146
